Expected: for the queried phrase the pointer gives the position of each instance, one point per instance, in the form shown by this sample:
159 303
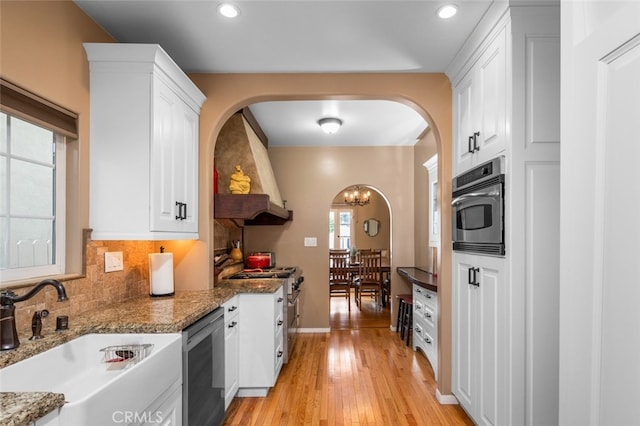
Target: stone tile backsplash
96 289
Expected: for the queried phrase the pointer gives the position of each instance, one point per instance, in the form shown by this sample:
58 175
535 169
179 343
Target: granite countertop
170 314
419 276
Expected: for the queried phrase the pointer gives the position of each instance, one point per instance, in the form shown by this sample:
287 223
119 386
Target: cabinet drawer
231 309
429 316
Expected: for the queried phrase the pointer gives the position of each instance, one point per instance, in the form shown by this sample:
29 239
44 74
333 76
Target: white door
341 235
600 207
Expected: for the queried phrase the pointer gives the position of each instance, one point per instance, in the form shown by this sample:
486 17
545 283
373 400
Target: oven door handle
461 198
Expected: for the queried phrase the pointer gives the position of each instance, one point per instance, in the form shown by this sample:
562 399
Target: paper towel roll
161 274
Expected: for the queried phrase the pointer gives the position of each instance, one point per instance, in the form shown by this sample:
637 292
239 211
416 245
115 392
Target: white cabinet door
480 108
480 339
231 348
174 162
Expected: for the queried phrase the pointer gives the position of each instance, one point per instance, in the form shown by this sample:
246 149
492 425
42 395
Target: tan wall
47 57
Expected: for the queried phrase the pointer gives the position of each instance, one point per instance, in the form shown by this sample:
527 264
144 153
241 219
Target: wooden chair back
370 266
339 267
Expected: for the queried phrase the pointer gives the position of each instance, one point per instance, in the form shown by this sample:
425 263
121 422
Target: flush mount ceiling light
447 11
228 10
330 125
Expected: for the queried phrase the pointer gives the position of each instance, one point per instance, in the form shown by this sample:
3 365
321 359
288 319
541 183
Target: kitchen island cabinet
144 144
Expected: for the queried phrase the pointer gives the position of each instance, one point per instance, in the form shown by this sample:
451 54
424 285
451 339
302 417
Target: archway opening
357 229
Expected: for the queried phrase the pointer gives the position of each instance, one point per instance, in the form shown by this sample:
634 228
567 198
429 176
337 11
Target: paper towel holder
161 279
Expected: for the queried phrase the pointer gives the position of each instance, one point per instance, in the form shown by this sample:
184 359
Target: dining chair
369 278
340 275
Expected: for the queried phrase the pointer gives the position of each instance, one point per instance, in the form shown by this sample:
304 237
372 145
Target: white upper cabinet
480 108
144 144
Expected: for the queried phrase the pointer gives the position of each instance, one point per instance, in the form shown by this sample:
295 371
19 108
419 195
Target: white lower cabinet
231 349
480 337
425 324
261 342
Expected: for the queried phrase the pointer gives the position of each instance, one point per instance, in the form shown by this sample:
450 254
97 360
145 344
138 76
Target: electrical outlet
310 241
113 261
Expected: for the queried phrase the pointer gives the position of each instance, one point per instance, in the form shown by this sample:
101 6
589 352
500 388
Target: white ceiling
300 36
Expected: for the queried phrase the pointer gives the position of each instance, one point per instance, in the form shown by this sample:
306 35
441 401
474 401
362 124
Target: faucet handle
36 324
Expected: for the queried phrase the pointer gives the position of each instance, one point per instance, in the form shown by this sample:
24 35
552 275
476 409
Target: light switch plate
113 261
310 242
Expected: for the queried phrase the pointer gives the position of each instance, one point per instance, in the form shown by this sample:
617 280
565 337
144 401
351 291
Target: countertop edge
418 276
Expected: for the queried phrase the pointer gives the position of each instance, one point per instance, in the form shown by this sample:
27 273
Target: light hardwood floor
358 374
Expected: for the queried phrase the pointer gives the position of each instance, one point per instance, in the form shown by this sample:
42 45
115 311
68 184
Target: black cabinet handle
280 353
182 210
471 145
233 308
472 277
475 142
280 322
280 299
233 324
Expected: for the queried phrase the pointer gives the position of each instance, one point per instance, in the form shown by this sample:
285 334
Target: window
32 184
32 188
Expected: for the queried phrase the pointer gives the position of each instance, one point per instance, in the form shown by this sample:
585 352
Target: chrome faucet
8 333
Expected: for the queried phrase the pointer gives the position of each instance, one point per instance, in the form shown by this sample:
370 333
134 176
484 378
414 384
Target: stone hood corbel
241 142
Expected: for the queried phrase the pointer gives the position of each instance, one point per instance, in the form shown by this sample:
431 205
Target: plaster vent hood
239 142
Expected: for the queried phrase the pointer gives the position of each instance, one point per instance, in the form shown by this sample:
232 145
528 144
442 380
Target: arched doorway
429 94
361 227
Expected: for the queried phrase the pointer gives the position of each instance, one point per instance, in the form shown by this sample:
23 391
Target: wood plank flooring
358 374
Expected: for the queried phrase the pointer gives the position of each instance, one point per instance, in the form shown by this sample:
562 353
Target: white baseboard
314 330
446 399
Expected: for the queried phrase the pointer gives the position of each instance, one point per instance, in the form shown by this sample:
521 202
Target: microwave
478 209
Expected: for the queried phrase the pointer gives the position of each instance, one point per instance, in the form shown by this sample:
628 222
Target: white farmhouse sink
94 393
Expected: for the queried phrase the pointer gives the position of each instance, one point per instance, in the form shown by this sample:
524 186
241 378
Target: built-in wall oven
478 209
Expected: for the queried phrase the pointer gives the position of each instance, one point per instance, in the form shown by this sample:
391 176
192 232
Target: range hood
242 142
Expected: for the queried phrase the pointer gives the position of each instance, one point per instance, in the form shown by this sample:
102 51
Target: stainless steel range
293 287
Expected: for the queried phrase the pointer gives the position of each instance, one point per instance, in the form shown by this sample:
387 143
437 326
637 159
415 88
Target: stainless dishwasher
203 371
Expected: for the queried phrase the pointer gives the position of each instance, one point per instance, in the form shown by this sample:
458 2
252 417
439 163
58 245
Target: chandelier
357 197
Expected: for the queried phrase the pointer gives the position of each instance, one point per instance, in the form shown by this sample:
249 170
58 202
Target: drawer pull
426 339
280 322
280 299
233 324
428 315
231 309
280 353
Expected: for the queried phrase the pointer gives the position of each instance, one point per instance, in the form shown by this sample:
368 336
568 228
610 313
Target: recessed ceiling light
447 11
228 10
